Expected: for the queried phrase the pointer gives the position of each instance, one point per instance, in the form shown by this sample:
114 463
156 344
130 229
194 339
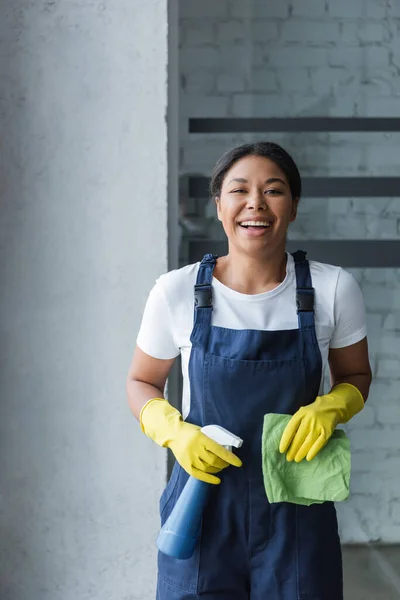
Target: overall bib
250 549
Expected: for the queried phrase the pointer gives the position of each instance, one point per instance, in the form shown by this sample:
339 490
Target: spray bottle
180 533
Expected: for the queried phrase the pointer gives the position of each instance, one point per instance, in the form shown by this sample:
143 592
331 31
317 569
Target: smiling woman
257 188
256 204
256 340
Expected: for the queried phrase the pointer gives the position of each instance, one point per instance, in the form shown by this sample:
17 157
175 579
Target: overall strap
304 290
203 292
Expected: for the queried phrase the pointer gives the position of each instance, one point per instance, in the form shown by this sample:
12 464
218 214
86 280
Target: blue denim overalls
250 549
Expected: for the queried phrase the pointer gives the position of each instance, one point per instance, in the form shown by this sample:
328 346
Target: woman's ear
293 213
218 203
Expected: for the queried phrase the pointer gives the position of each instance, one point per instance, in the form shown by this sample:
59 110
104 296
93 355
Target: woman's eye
274 192
239 190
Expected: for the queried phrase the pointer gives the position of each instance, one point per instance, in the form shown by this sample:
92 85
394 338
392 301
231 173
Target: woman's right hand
200 456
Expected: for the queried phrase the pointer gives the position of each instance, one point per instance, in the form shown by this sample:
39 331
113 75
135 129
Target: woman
265 324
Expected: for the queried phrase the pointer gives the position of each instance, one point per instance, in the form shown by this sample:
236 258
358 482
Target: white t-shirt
168 316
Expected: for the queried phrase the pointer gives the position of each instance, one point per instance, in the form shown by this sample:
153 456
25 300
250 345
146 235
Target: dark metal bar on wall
345 253
325 187
293 125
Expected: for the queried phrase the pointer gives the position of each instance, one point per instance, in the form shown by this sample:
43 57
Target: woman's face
256 205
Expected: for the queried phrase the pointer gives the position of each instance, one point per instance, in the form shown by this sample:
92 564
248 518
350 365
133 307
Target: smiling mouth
255 224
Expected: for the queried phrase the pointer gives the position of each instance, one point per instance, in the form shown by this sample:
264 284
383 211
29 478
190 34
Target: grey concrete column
83 225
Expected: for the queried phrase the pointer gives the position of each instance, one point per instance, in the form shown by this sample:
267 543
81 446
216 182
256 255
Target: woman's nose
257 201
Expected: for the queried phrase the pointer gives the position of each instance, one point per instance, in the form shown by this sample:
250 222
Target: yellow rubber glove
311 427
200 456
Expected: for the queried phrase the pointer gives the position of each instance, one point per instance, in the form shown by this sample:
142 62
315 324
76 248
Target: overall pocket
255 389
180 574
319 557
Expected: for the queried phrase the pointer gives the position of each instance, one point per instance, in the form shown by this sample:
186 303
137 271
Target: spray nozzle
222 436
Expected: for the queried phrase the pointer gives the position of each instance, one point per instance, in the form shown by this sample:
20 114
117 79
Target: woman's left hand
312 426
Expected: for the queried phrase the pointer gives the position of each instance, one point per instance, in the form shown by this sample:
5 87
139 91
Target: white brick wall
258 8
278 58
323 33
308 8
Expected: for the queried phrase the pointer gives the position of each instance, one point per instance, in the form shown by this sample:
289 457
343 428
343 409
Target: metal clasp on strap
202 295
305 299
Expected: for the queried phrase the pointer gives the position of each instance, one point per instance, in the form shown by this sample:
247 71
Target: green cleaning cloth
325 478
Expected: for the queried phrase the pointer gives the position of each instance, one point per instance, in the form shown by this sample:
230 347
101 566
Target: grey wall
330 58
83 186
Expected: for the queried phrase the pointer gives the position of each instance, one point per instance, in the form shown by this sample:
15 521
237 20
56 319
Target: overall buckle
305 299
202 295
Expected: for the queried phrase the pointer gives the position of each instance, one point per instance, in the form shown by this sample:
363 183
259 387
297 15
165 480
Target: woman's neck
251 275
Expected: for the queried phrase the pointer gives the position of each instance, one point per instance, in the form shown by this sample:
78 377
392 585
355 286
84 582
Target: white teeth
255 224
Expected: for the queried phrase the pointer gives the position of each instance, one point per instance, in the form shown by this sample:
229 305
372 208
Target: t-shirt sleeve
349 312
155 336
